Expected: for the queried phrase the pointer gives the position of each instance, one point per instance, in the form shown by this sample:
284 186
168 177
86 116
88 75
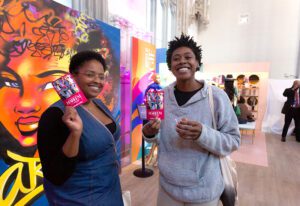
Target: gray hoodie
190 169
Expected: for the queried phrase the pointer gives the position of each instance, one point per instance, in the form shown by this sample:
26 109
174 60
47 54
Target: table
249 126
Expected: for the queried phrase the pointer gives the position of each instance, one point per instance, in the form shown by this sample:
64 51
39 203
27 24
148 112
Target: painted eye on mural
46 86
8 80
10 83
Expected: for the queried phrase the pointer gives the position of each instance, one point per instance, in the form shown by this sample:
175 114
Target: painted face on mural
27 91
184 63
25 79
90 78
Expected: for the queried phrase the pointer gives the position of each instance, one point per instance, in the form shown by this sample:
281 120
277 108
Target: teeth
94 87
183 69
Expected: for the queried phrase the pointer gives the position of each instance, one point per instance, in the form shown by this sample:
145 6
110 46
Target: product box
69 91
142 109
155 104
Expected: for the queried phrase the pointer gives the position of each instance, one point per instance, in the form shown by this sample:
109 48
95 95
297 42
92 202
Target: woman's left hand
187 129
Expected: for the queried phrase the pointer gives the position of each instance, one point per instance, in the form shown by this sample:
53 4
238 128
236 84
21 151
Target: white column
93 8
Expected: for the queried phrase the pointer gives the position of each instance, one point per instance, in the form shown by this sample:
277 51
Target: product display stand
143 172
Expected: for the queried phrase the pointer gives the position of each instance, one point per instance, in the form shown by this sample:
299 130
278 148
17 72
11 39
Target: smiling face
90 78
25 93
184 64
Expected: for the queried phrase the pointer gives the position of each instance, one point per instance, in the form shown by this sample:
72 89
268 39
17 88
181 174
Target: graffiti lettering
80 30
40 30
84 24
18 47
12 179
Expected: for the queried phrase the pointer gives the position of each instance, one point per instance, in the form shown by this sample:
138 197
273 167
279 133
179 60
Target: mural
143 66
37 39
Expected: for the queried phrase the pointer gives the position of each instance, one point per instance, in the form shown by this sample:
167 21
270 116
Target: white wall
271 35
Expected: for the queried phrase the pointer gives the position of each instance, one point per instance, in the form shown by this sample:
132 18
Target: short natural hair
81 57
184 41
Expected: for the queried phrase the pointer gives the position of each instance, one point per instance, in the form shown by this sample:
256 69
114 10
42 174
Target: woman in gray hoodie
189 146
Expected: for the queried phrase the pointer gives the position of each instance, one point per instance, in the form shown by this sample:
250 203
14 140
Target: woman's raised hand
72 120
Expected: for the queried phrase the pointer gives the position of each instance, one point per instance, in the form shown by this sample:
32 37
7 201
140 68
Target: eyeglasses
93 75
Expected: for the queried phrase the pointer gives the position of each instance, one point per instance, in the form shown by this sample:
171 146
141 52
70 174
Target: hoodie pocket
179 170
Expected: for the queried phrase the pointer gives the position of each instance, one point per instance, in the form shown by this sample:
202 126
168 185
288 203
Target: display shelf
250 92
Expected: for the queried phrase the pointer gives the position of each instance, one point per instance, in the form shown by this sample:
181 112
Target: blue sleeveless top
95 180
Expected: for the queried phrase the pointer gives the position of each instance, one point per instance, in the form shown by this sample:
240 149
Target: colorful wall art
37 39
143 67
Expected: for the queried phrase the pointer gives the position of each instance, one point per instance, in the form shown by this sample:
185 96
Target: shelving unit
251 95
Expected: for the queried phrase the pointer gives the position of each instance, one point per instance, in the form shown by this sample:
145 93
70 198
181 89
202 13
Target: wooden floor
275 185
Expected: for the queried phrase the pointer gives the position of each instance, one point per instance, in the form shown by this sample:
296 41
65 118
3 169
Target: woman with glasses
77 145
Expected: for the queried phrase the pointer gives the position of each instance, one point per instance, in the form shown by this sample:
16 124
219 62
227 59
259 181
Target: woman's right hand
72 119
152 127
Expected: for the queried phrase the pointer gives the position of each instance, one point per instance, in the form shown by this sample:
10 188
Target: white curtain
273 120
